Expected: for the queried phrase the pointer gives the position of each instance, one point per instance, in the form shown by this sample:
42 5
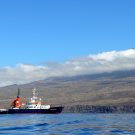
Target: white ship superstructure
35 102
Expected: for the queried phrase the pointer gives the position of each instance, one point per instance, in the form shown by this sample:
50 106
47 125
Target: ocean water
67 124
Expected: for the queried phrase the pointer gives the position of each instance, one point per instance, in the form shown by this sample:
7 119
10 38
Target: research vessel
33 106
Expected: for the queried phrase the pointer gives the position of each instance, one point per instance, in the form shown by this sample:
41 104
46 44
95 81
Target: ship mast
18 95
35 93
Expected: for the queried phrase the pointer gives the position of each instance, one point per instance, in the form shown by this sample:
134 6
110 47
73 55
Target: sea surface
67 124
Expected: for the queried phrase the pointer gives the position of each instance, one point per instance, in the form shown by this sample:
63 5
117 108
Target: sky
45 34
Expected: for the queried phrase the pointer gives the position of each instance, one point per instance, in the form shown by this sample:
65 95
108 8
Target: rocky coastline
99 109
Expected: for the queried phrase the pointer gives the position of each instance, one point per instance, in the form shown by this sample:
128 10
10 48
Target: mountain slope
116 88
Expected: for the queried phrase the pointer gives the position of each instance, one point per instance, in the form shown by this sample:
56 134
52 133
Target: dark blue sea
68 124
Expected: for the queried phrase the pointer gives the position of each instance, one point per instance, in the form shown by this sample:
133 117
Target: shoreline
99 109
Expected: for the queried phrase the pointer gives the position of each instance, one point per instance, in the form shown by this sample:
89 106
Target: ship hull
52 110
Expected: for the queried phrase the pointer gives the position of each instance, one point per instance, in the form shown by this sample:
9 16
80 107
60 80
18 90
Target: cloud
91 64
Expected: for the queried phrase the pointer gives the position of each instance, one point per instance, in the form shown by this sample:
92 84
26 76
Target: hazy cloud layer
97 63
